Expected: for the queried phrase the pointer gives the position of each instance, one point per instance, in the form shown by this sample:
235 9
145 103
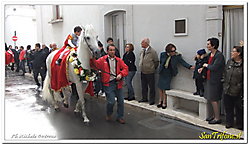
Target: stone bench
174 96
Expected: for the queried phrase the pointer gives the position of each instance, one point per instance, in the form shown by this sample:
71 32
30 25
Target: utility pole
15 41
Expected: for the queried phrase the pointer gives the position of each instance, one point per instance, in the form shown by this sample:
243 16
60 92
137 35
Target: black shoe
201 93
164 106
196 93
215 121
159 105
152 103
142 100
210 118
130 99
126 98
229 126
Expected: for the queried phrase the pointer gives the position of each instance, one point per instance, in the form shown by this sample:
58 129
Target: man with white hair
148 64
54 47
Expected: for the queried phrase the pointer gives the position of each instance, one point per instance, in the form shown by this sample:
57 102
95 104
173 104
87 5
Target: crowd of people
33 59
214 79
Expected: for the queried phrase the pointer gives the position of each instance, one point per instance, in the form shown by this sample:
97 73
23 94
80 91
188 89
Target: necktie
144 53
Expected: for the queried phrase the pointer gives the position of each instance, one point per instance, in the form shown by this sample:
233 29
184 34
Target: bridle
88 46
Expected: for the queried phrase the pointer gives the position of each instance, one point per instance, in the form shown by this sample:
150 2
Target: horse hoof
65 105
57 109
76 112
86 120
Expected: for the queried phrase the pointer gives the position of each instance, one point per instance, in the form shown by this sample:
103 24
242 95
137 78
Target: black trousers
42 72
199 84
148 80
231 103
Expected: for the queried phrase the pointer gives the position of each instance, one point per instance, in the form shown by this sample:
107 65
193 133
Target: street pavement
25 119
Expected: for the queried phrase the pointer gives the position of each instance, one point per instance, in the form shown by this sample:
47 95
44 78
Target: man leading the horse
113 69
70 42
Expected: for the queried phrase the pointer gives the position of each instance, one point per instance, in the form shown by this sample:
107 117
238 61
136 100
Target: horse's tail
47 94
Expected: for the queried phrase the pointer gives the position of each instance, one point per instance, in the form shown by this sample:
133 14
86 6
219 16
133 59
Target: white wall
23 22
153 21
157 21
73 15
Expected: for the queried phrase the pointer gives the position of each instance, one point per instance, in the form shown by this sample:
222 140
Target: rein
102 71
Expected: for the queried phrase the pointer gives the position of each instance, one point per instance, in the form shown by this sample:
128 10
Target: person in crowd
22 58
213 84
16 57
70 42
200 59
50 47
9 57
129 59
110 41
101 48
113 70
167 70
6 47
233 88
15 54
38 59
54 47
28 57
148 65
99 89
45 49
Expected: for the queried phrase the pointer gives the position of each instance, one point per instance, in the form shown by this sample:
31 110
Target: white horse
88 47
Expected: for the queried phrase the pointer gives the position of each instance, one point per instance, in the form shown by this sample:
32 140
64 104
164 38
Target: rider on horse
70 42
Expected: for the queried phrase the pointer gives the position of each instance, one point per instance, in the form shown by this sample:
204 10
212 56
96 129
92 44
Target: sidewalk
177 116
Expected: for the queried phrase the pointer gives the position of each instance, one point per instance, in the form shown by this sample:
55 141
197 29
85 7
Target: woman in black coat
129 59
213 84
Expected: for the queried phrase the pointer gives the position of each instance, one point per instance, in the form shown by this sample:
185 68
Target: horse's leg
57 99
81 101
67 93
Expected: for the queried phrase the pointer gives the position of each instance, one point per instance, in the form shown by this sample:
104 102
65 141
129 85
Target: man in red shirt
113 70
22 60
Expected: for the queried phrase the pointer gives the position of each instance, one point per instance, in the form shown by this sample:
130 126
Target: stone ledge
186 95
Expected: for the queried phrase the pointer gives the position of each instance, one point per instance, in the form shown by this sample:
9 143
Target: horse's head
90 37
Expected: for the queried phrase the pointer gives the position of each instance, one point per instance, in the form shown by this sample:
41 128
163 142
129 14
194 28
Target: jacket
129 59
198 64
38 59
149 62
103 65
233 78
216 67
22 55
175 60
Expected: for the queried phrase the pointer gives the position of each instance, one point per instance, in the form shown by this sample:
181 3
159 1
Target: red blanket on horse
59 72
9 57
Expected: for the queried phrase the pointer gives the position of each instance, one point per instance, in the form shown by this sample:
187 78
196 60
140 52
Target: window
57 14
180 27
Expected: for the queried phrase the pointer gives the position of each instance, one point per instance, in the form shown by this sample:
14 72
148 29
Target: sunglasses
173 51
